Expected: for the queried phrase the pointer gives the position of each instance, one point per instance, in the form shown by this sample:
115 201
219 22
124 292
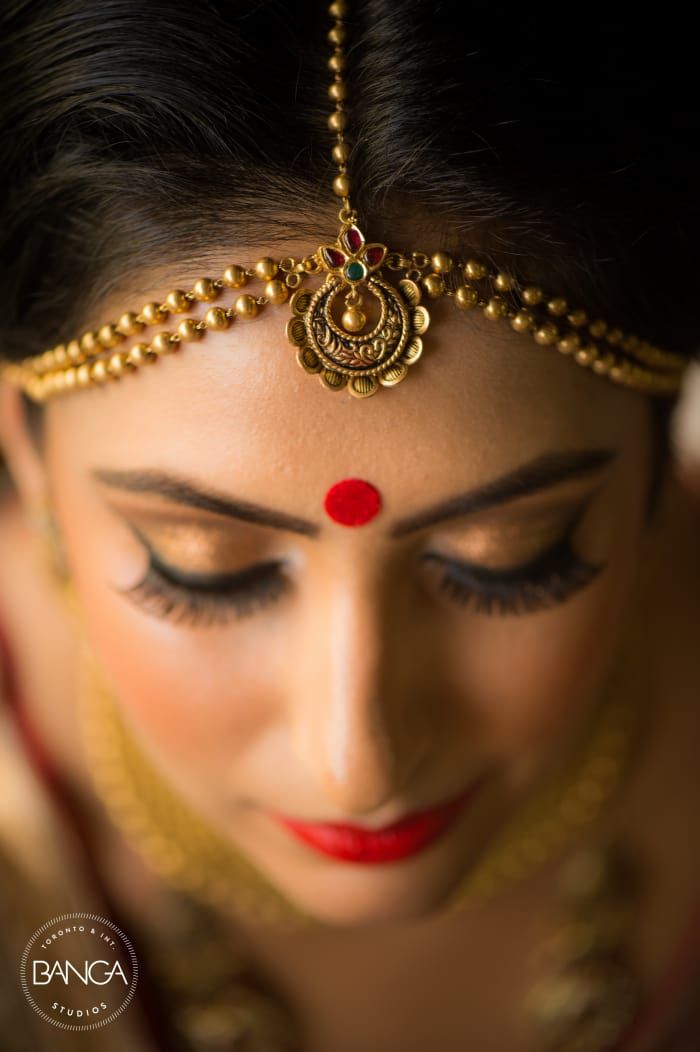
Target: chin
355 896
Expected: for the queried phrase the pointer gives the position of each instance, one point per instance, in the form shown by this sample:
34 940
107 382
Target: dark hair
137 135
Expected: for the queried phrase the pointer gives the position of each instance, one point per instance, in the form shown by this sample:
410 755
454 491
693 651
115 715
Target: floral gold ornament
336 344
340 350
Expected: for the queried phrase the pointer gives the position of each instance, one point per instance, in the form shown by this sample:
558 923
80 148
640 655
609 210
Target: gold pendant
343 350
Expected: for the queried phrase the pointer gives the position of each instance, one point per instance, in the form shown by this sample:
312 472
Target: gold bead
59 354
88 342
187 330
276 291
577 318
337 35
353 319
336 62
82 375
503 282
532 295
337 120
162 344
586 355
557 306
108 336
137 354
152 314
266 268
177 301
603 364
340 152
217 319
338 9
234 277
98 372
36 389
434 285
475 270
495 308
546 334
341 186
115 365
205 290
614 336
466 296
597 328
569 343
522 321
73 351
441 263
129 324
338 91
246 307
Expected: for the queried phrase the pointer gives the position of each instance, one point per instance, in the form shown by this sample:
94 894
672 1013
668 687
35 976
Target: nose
362 724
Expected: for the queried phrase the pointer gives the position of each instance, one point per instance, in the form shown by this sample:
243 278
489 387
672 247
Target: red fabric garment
670 1000
76 827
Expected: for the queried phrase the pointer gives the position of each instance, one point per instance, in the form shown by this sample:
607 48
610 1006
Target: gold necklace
551 817
190 854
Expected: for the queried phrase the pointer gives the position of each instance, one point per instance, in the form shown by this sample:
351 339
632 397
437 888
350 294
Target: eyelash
551 578
238 595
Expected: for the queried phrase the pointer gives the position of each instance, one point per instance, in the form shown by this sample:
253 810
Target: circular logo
79 971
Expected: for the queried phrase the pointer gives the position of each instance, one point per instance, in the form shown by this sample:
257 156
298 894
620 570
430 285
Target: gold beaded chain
190 854
339 349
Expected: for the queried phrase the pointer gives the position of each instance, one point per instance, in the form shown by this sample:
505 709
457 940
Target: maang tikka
359 330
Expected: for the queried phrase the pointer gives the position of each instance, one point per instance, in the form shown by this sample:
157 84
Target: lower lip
405 838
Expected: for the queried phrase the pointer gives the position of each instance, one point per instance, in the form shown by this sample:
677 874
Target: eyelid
203 582
523 569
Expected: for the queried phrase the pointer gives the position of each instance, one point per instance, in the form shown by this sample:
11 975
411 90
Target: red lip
406 837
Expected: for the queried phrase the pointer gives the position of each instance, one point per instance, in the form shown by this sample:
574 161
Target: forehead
237 409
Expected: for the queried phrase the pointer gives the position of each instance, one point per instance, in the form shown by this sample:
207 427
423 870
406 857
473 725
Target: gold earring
592 992
43 521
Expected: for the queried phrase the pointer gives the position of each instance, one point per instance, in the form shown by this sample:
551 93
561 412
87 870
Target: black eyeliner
212 583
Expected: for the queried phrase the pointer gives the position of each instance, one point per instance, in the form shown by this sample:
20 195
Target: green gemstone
355 271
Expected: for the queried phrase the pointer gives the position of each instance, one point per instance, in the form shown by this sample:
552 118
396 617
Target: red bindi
352 502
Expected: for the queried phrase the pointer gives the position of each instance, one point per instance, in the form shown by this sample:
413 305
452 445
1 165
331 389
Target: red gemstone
334 258
353 239
374 255
352 502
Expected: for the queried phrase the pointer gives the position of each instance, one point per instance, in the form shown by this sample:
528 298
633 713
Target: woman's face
360 673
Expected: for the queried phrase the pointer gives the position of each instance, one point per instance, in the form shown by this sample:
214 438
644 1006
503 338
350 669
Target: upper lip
387 826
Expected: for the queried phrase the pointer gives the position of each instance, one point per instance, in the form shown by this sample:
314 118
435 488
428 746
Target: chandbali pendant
342 347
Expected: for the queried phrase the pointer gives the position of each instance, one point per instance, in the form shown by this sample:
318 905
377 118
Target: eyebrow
182 491
544 471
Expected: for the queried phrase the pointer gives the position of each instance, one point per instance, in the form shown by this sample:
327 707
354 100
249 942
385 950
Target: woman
468 600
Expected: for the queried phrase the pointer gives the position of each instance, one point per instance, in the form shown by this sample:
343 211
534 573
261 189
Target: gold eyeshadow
511 538
197 542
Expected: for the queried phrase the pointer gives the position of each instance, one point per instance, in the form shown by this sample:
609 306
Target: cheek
529 679
196 700
197 709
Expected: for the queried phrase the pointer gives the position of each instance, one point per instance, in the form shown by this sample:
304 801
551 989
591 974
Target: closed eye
205 598
549 579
